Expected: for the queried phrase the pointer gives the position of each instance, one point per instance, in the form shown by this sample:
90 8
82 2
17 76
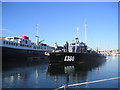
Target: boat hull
70 58
12 53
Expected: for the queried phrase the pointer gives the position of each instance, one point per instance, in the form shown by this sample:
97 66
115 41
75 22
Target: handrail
64 86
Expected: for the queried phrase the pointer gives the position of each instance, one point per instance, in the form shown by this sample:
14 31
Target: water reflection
74 73
42 75
20 75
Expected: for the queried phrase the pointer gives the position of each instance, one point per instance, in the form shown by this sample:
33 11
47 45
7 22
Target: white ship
15 47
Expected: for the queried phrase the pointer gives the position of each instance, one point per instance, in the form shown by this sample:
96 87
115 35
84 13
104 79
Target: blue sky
58 21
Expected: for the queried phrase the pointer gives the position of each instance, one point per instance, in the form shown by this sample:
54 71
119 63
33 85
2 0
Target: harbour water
42 75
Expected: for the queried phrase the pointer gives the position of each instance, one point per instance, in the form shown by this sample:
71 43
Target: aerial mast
37 37
85 26
77 34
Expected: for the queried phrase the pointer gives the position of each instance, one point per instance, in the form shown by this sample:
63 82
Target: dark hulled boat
77 52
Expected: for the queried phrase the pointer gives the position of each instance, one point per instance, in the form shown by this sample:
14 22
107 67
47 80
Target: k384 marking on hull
69 58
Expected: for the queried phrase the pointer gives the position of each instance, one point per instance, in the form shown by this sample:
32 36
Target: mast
37 37
85 26
77 34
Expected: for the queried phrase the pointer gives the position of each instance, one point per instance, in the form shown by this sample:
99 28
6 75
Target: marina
59 45
26 64
38 65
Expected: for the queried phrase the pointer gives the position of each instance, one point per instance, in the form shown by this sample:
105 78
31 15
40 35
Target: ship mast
37 37
85 26
77 34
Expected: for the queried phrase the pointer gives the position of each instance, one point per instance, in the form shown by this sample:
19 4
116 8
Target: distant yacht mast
37 37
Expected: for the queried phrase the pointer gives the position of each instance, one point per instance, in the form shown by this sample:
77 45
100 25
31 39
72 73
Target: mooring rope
64 86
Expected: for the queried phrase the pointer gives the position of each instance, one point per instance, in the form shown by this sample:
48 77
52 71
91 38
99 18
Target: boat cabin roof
12 38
